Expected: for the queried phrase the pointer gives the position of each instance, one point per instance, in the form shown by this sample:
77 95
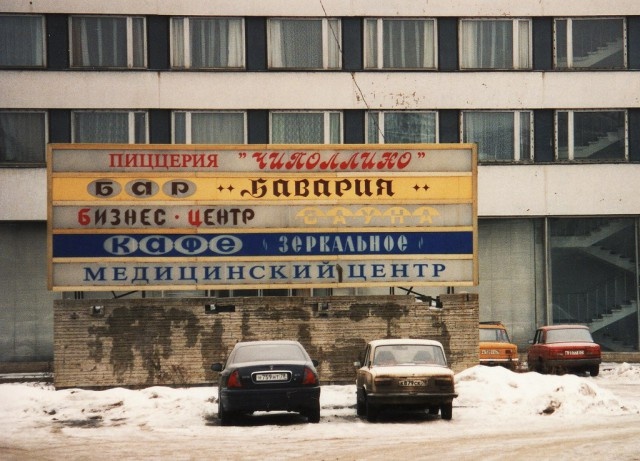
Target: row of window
307 43
502 136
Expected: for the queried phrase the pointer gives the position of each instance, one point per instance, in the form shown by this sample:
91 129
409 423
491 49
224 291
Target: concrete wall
147 342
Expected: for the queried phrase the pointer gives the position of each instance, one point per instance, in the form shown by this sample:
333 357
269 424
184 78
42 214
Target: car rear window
268 352
569 335
408 354
494 335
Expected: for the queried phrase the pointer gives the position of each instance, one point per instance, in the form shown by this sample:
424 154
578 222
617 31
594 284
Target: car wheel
434 410
372 412
313 414
361 408
446 410
223 414
594 370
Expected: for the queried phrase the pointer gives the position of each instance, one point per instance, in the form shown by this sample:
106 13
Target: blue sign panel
262 244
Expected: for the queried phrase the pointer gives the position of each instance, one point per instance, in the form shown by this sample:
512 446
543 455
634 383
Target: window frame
327 36
188 132
517 141
515 55
379 60
8 164
43 44
128 40
569 41
131 123
571 136
187 63
326 124
381 135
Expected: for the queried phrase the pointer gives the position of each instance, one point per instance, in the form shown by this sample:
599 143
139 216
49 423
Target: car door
363 371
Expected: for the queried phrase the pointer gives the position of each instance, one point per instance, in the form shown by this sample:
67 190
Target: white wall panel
319 90
503 191
430 8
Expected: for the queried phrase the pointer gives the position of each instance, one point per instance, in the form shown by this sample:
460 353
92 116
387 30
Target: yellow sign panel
242 188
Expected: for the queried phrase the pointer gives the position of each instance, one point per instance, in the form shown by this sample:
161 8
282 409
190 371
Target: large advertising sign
154 217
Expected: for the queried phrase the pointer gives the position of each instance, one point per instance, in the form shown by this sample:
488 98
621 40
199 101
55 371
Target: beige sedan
407 374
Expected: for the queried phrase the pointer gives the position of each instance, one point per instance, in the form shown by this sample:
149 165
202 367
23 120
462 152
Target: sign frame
347 186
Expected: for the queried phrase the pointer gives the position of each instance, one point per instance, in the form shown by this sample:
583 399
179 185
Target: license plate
573 352
411 382
266 377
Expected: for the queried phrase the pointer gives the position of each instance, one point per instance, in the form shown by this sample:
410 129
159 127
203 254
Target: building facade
548 89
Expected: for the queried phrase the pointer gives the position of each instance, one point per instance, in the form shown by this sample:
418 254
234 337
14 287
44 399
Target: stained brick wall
160 341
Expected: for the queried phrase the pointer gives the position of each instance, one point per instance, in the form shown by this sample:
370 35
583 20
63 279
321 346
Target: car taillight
234 380
383 381
309 378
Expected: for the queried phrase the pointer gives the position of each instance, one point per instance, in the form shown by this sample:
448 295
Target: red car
564 348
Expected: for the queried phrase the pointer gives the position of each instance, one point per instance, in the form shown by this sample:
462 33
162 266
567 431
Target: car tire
223 415
434 410
371 412
446 411
361 407
313 414
594 370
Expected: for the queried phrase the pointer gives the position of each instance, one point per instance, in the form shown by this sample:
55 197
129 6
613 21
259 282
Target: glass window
401 127
602 292
591 135
306 128
400 44
305 43
23 138
590 43
207 43
495 44
209 127
109 127
22 41
501 136
101 41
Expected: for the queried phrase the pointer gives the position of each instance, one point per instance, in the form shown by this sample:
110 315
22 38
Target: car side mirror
315 362
217 367
357 364
531 341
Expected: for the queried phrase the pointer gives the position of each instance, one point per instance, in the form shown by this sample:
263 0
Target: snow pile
499 391
619 372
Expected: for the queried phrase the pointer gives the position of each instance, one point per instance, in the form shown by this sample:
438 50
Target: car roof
392 342
563 327
492 325
266 343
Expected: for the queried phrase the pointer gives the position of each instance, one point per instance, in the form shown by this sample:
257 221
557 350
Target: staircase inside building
603 304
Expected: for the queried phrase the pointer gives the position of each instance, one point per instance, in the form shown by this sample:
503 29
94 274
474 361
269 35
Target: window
591 135
304 43
501 136
306 128
400 44
209 127
22 41
603 284
495 44
590 44
401 127
109 127
112 42
23 138
207 43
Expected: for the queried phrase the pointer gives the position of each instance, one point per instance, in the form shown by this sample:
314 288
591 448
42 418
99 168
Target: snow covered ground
498 414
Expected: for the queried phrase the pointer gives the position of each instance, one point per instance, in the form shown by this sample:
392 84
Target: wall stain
142 331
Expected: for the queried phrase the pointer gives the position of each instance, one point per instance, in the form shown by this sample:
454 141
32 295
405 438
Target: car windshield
494 335
569 335
268 352
408 354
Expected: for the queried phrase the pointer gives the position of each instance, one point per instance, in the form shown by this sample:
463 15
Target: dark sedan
268 376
